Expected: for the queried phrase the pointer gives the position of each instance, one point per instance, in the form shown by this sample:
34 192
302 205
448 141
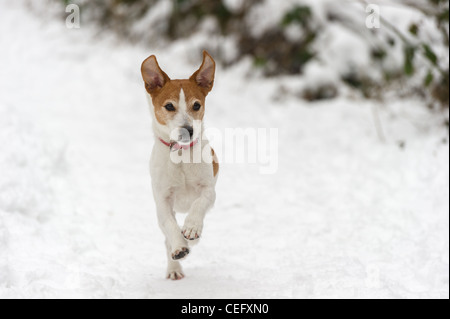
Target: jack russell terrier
188 186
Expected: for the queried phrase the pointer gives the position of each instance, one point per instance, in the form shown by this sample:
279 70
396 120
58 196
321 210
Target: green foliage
320 92
259 62
187 14
414 29
409 54
440 91
378 54
429 54
443 17
127 2
299 14
275 53
428 78
438 2
435 82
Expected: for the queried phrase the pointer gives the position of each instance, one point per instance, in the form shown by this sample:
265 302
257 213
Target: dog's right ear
153 76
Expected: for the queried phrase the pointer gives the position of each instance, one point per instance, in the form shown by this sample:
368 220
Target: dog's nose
190 129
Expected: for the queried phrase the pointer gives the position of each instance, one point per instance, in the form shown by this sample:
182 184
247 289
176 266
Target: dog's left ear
204 77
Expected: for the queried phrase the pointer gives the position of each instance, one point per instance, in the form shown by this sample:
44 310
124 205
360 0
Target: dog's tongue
176 146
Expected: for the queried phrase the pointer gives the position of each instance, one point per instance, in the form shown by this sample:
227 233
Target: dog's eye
169 107
197 106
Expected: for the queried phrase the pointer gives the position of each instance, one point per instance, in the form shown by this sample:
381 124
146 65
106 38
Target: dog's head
179 105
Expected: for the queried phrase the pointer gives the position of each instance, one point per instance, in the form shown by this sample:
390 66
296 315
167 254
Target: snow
346 214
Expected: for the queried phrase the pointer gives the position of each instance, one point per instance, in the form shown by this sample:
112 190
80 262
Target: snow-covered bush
407 54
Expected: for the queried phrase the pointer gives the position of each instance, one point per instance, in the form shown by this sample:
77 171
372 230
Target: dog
178 108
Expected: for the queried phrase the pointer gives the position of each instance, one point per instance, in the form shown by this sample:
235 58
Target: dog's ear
153 76
204 77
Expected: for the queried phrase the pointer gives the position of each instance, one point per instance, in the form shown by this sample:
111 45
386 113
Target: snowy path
345 215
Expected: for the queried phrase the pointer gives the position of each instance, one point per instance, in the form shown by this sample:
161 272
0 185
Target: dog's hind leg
174 269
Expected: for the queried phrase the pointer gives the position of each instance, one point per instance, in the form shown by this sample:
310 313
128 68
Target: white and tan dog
178 108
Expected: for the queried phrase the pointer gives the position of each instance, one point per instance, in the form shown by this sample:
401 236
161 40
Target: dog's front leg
175 242
193 224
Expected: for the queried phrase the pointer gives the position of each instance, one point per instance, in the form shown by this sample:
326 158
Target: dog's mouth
185 135
183 142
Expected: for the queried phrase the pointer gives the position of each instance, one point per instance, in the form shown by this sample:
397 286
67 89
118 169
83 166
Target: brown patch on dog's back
215 162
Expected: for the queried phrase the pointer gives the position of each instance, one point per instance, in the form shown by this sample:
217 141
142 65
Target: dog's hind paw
180 253
175 275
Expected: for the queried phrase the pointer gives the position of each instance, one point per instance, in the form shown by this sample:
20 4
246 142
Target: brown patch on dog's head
195 98
170 94
165 92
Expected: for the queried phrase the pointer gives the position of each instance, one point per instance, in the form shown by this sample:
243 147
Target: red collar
174 146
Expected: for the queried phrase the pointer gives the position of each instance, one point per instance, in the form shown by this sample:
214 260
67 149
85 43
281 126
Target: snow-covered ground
346 214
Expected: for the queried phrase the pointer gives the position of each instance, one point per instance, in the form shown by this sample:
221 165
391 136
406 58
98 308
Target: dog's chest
184 182
185 175
187 187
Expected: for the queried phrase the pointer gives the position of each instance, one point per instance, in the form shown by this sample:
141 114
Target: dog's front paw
180 253
192 230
